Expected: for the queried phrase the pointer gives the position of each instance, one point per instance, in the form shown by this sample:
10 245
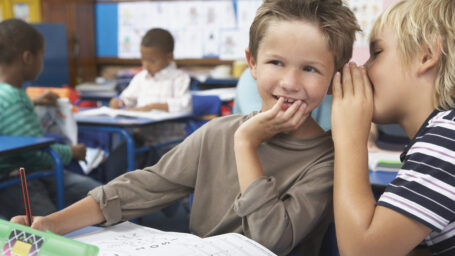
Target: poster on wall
366 13
22 11
195 25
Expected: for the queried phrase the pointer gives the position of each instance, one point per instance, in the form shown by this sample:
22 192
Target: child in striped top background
21 59
410 80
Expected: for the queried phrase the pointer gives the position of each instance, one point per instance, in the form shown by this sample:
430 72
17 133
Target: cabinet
79 19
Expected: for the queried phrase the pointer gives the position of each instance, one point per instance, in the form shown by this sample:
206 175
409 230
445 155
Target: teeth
289 101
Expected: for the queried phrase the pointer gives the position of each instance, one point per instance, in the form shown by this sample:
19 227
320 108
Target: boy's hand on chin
265 125
352 105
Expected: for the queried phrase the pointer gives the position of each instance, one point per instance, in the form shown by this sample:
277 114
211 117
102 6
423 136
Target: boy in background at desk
21 60
160 86
409 79
267 175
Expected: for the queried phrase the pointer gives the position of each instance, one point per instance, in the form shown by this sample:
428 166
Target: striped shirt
424 188
17 117
170 85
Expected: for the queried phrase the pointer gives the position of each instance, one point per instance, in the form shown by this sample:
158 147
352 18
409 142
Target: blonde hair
421 24
335 20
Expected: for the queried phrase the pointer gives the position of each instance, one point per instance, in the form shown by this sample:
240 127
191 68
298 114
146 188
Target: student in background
21 60
160 85
266 175
409 79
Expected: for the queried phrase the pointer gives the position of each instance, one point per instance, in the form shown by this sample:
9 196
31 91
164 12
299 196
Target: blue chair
58 173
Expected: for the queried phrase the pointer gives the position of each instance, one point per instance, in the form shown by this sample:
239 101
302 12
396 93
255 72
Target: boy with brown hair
410 80
21 59
267 175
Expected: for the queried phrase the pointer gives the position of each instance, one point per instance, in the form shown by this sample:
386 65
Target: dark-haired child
21 59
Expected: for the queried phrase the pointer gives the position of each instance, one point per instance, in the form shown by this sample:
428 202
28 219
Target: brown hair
160 38
16 37
335 20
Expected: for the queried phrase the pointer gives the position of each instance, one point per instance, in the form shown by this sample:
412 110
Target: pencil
28 211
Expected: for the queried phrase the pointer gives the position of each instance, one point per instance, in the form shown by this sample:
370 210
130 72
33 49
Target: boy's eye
375 52
309 69
276 62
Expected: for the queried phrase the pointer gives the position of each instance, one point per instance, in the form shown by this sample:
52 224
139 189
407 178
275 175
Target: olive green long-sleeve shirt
290 207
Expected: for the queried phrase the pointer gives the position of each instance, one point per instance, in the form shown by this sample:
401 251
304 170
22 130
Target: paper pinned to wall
195 25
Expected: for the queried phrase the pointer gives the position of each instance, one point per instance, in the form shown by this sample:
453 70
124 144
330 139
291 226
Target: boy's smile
293 63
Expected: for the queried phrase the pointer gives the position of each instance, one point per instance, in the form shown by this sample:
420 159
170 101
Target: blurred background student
21 60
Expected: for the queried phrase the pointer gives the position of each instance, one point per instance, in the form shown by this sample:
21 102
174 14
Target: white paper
93 158
195 26
391 156
154 114
225 94
131 239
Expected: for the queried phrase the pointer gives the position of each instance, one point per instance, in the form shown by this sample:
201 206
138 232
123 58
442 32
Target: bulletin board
201 29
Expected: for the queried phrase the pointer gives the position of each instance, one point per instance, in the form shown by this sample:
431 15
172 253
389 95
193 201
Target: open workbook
153 114
131 239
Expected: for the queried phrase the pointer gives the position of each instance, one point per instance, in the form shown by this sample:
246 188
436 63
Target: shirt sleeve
130 94
424 188
144 191
21 120
182 96
280 223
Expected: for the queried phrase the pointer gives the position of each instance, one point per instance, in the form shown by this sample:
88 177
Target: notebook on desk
131 239
384 161
154 114
21 240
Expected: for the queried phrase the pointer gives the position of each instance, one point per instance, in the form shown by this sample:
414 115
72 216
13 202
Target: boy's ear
170 56
430 57
251 63
27 57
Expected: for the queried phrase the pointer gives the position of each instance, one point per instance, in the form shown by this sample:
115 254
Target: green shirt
17 117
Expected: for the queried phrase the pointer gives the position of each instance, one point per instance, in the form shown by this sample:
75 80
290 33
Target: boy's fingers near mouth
290 112
347 81
275 110
300 115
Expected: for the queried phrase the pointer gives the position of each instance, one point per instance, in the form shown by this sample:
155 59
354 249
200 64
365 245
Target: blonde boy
266 175
411 70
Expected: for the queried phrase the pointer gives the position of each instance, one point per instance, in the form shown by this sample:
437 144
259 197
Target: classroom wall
107 25
362 53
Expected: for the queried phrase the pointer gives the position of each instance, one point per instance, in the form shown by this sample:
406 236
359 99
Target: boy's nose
290 80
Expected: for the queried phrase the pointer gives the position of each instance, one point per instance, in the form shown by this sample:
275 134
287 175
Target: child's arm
258 129
157 106
83 213
362 228
46 98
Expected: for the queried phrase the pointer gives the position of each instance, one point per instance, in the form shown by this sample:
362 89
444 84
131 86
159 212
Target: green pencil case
20 240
